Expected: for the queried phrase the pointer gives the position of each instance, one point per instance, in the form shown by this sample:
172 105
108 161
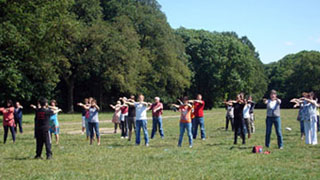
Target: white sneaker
147 145
203 139
190 146
122 137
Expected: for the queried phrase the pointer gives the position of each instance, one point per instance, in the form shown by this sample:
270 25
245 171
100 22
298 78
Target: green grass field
214 158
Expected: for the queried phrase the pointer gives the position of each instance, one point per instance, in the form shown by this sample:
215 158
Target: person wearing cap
273 117
157 109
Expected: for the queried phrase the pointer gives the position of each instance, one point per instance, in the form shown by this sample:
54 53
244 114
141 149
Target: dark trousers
13 133
18 122
43 137
318 123
238 125
229 119
124 128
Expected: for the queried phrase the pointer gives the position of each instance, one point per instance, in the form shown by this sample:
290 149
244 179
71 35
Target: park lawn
214 158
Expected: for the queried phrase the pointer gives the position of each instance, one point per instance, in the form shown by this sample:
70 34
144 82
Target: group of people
131 115
308 116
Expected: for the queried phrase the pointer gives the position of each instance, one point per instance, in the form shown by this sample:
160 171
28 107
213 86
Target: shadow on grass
240 147
19 158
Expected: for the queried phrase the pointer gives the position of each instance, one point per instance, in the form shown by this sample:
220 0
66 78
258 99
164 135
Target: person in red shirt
198 119
185 120
157 109
8 121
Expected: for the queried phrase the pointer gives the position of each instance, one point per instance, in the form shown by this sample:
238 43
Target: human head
240 96
141 98
17 104
43 102
304 94
118 102
132 97
185 100
9 103
199 97
273 94
53 102
86 100
156 99
93 102
90 99
250 98
311 95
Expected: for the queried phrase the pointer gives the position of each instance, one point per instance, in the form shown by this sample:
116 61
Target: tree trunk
70 91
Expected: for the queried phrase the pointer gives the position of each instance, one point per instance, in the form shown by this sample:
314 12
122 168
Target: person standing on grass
93 121
310 121
198 119
131 118
157 109
116 115
246 118
229 116
54 123
185 121
8 121
251 113
18 117
238 106
42 135
301 114
124 113
85 116
141 118
273 117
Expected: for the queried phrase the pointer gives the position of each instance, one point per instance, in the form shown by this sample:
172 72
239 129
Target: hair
86 99
199 94
93 100
10 102
185 98
53 101
157 98
132 97
273 91
43 102
311 94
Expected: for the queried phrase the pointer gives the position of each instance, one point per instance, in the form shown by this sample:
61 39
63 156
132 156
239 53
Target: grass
214 158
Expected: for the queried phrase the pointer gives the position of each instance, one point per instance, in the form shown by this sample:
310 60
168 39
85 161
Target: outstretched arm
175 105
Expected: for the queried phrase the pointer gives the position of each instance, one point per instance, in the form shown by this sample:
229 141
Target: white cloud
289 43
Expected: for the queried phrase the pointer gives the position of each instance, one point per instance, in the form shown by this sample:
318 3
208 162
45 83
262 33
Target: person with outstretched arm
198 119
185 121
141 118
8 121
157 109
273 117
18 117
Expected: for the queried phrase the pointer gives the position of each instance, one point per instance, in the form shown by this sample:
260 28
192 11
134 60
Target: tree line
68 50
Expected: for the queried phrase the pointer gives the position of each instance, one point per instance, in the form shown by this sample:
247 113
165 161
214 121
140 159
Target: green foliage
223 65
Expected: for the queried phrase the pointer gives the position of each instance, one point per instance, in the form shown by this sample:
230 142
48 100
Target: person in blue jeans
141 118
93 119
273 117
185 121
157 109
301 113
198 119
18 117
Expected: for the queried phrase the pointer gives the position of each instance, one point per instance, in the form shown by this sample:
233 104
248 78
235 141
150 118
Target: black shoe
37 157
49 157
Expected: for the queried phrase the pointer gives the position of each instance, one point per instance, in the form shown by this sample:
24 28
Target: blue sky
276 27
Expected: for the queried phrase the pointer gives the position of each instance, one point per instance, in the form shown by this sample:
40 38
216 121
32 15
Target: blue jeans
195 123
318 123
184 126
301 127
156 121
277 124
141 124
94 126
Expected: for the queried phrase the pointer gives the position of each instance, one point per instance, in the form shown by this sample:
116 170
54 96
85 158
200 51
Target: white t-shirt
246 111
141 111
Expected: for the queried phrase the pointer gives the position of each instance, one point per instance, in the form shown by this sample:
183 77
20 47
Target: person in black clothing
18 117
238 106
42 118
131 118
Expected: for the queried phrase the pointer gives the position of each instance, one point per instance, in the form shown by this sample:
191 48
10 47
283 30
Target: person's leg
160 126
138 128
5 135
130 126
252 123
56 133
122 129
243 136
277 124
318 123
302 129
87 129
13 133
236 128
232 123
182 128
188 127
313 130
39 141
126 126
203 132
268 131
145 132
96 128
20 125
307 132
83 124
91 132
154 126
227 122
246 121
47 141
194 128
